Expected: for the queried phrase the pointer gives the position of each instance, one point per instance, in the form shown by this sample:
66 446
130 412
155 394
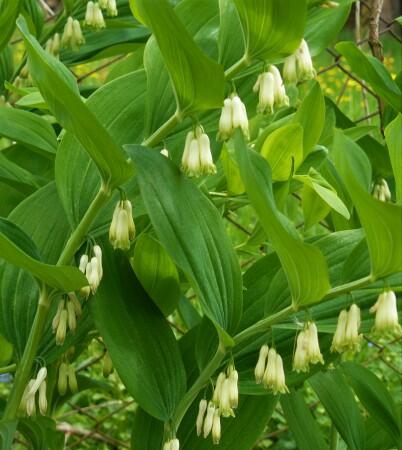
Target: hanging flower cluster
122 228
28 401
307 348
271 91
93 271
269 370
94 17
68 312
66 379
347 337
233 115
109 6
381 191
225 399
299 66
197 157
72 35
386 314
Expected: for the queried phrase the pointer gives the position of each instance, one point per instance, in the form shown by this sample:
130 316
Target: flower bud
62 379
111 8
239 116
224 400
165 152
261 363
338 341
94 16
72 35
207 165
209 418
218 387
72 380
281 99
280 382
267 94
381 191
31 406
191 165
386 314
67 33
40 377
305 66
200 417
56 318
174 444
270 371
42 398
25 396
71 318
216 427
98 253
300 359
62 328
107 365
76 303
83 263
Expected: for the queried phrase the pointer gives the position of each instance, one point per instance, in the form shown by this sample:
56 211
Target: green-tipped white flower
216 427
300 359
25 397
352 336
313 345
274 376
72 379
122 228
233 387
338 341
93 16
72 35
200 417
42 398
97 251
174 444
281 99
62 379
261 364
71 317
299 66
224 400
30 403
56 318
386 314
40 377
266 98
209 419
62 328
197 157
93 271
233 115
111 8
381 191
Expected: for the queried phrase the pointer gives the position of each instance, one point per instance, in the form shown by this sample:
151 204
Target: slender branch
163 131
8 369
201 381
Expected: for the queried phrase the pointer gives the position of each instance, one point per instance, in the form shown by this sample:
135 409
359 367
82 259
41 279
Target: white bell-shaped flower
352 336
93 16
216 428
200 417
209 419
72 35
290 69
42 398
224 400
122 227
239 116
233 387
197 156
338 341
261 364
281 99
386 314
274 376
225 121
266 97
233 115
300 359
218 387
313 345
299 66
381 191
307 349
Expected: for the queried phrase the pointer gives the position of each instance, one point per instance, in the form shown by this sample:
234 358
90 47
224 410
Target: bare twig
97 69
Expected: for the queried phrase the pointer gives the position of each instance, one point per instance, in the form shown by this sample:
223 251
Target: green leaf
7 431
301 422
324 190
59 89
6 351
338 400
143 348
147 432
381 221
119 107
198 81
14 175
314 207
324 25
232 173
375 398
238 433
304 265
6 67
27 128
8 14
270 32
41 433
157 273
372 71
283 149
18 249
191 230
311 116
393 138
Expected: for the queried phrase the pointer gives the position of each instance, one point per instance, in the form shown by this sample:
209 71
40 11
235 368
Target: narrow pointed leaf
7 431
18 249
191 230
393 137
141 345
8 13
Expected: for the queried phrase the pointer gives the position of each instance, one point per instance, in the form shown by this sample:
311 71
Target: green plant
222 244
